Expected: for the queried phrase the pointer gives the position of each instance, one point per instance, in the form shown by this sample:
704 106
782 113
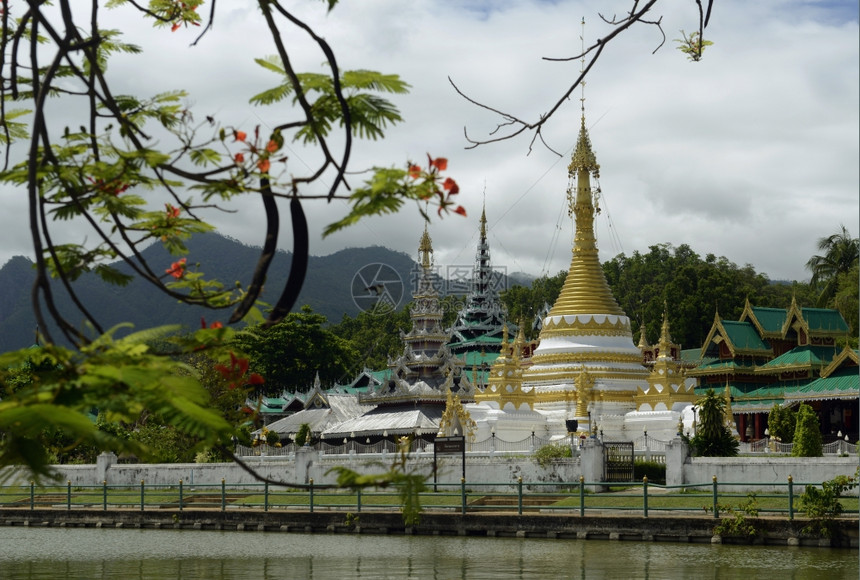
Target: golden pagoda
586 338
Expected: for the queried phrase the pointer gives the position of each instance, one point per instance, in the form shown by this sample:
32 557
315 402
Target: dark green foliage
847 301
781 423
692 288
165 443
840 253
375 338
289 354
524 304
713 438
272 438
304 435
807 433
243 435
655 472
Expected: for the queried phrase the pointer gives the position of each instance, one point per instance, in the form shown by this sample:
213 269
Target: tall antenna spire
582 69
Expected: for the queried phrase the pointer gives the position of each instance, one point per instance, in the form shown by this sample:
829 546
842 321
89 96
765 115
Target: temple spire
585 290
484 222
665 344
425 250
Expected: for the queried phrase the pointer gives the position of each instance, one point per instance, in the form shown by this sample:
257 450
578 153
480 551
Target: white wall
500 469
803 470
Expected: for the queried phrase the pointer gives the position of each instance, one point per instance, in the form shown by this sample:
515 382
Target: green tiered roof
743 336
813 368
824 320
806 357
770 319
843 384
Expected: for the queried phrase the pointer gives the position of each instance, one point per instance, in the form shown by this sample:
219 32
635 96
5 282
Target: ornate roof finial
643 340
583 157
665 339
582 69
425 249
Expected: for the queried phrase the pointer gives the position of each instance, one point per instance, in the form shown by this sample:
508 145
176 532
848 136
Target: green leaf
204 156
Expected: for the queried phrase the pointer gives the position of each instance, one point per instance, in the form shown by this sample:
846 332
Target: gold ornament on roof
456 420
583 156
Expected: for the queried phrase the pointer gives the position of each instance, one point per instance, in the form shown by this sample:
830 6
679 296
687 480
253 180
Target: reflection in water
49 553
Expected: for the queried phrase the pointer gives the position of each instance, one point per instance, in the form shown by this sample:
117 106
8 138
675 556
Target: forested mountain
327 288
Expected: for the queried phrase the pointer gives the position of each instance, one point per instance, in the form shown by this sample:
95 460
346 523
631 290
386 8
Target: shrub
272 437
807 433
822 506
546 454
304 435
243 436
713 438
781 423
737 523
655 472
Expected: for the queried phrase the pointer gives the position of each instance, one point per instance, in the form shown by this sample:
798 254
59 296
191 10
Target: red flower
451 186
172 212
263 165
414 171
235 373
460 210
439 163
239 135
215 324
271 146
114 187
175 26
239 158
177 269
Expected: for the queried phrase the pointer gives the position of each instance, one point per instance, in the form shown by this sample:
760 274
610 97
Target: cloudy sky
750 154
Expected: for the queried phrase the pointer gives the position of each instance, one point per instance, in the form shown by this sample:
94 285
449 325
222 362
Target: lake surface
52 553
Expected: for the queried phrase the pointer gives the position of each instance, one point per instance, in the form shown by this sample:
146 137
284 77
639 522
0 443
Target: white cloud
751 153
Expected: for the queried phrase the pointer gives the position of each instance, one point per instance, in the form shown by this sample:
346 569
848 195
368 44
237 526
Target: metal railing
708 499
770 445
646 447
490 445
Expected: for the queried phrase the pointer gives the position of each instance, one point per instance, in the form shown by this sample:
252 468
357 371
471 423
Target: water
87 553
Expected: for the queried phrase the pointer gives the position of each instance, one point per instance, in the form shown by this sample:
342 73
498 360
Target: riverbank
681 529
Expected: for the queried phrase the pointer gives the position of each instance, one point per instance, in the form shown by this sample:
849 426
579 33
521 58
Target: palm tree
840 254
